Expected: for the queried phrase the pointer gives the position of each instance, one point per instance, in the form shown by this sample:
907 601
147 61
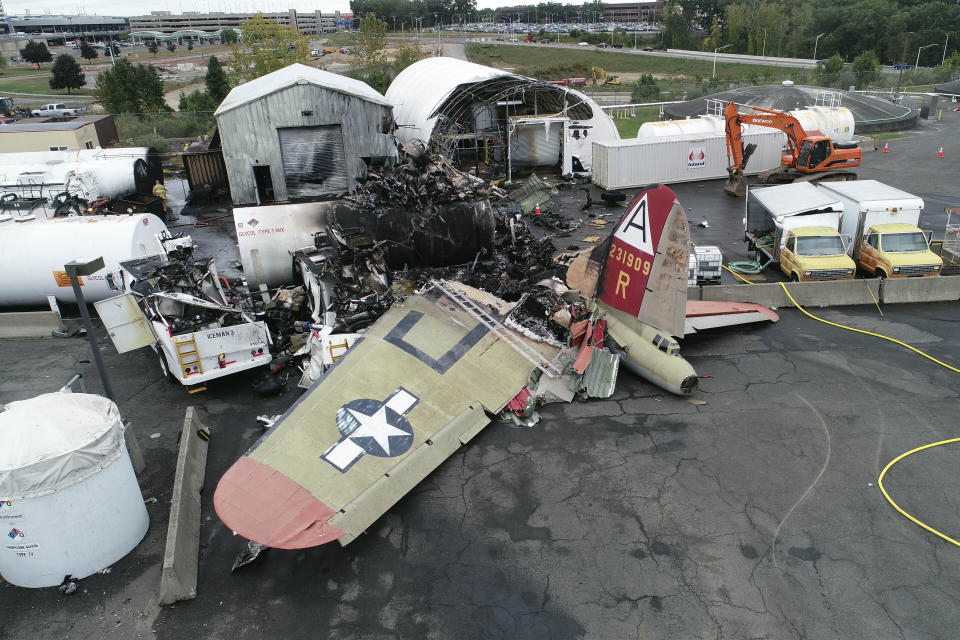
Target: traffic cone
537 210
940 153
886 147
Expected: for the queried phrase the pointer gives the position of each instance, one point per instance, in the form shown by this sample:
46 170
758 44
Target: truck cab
815 253
898 251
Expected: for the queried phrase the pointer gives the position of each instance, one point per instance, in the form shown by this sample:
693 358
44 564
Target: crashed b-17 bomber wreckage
427 375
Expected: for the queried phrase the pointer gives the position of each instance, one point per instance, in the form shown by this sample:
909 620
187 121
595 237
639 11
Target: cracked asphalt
751 513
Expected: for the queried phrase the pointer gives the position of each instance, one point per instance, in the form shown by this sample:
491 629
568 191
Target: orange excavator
812 157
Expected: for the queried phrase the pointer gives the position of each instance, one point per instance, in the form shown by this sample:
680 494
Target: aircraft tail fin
641 268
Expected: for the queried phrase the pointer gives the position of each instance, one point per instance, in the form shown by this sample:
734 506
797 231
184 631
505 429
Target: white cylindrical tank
836 123
70 503
32 254
691 126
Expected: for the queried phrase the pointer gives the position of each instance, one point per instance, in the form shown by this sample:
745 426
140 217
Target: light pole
715 52
764 54
75 270
926 46
943 59
815 43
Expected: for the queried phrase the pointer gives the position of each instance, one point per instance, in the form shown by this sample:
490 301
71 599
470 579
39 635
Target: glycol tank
837 123
32 254
69 499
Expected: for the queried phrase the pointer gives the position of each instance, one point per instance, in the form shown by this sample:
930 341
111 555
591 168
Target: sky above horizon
133 8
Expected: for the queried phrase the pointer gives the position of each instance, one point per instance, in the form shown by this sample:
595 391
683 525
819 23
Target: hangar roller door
314 162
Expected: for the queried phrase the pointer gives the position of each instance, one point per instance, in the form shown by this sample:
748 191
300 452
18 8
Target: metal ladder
184 356
524 349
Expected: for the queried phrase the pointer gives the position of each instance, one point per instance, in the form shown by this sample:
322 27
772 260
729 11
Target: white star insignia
376 427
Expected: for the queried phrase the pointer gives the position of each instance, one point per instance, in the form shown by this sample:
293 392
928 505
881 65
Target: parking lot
751 511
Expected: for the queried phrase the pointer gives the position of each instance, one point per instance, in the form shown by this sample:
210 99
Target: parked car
545 41
583 44
59 110
647 49
618 45
500 38
601 45
903 65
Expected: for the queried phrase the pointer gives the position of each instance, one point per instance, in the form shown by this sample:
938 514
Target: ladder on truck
484 318
188 356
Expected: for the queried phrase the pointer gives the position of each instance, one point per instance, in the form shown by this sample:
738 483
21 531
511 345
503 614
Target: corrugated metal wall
205 167
249 135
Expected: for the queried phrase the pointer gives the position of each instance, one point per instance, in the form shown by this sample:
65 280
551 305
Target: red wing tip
696 308
262 504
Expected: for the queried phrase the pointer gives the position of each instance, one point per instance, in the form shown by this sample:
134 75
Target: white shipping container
626 164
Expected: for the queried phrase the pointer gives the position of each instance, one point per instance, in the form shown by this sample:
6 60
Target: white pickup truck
58 111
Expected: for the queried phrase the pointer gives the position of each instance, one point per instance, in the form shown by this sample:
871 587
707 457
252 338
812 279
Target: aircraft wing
703 314
414 388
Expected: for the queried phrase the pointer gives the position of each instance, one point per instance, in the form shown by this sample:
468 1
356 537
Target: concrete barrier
814 294
28 324
181 556
939 289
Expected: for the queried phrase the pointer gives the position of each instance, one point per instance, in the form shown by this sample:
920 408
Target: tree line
894 30
403 13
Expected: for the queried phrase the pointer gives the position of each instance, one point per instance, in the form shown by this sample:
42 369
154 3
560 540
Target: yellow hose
895 505
868 333
902 455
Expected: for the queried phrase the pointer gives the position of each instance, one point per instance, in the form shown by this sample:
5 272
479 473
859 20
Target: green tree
268 46
66 74
371 49
88 52
228 36
586 11
129 89
406 54
154 47
715 39
36 52
676 28
644 89
197 101
150 88
189 45
218 85
377 78
866 66
171 47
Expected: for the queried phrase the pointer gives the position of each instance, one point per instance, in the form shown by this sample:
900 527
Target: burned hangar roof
441 88
868 111
297 74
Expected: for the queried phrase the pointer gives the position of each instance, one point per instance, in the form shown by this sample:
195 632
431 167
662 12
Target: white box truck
796 226
883 222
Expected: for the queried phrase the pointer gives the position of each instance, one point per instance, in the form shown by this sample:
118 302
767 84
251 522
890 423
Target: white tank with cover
70 503
33 253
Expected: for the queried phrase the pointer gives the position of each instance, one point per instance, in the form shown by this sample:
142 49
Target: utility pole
903 59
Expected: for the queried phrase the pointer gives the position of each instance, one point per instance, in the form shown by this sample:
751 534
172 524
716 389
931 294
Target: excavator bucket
736 185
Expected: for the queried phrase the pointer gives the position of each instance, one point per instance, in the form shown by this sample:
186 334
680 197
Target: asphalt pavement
751 511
